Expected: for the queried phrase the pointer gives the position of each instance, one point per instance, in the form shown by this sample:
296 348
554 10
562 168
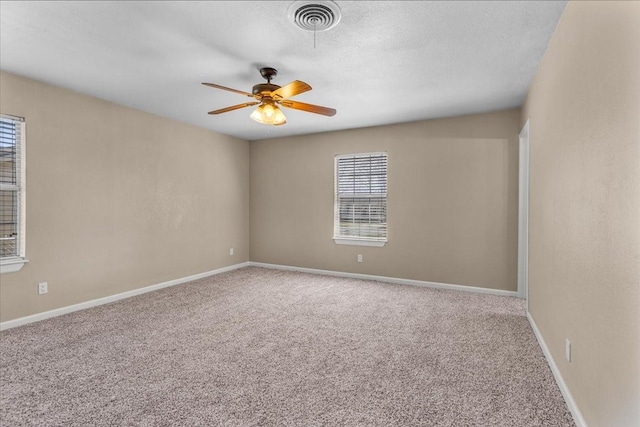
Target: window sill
11 265
359 242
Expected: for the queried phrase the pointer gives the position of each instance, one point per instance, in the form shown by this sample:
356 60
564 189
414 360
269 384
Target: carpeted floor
258 347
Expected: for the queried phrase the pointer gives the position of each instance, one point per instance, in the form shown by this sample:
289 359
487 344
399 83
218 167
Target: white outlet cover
568 350
43 288
231 251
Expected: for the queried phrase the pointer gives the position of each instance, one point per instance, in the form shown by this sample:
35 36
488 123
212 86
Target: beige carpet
258 347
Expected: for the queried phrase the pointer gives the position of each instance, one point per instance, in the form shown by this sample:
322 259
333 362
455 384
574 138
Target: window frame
13 263
358 240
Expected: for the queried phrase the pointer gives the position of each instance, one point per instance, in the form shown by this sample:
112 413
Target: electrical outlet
567 350
359 258
43 288
231 251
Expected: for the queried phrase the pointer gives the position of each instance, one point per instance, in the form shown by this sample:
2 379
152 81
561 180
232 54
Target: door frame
523 215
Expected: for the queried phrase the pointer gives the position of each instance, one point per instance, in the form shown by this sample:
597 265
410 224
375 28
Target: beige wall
118 199
452 200
584 268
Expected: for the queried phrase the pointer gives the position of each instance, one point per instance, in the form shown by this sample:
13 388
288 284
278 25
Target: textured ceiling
385 62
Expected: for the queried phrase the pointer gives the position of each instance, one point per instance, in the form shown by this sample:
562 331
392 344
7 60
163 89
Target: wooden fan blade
292 89
308 107
229 89
234 107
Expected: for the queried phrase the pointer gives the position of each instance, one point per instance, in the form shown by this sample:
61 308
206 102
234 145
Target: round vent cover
315 15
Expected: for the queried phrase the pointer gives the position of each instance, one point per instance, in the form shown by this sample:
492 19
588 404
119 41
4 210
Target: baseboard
105 300
568 398
388 279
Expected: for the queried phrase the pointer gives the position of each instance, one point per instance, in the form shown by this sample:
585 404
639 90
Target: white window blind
361 197
11 187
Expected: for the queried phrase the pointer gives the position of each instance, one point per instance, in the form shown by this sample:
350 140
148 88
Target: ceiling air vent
315 15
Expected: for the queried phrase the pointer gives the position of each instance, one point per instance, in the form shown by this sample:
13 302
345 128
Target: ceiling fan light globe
268 111
257 115
278 117
269 115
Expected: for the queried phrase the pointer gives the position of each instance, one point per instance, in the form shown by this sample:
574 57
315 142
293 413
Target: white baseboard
388 279
571 404
105 300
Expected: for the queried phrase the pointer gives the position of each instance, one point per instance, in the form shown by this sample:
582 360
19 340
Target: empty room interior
305 213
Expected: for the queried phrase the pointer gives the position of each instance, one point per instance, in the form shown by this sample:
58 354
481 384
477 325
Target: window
12 176
361 199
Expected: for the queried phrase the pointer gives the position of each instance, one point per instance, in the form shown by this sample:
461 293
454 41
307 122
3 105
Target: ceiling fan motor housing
264 88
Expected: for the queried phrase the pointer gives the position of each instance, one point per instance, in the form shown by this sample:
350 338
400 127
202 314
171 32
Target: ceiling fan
270 96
